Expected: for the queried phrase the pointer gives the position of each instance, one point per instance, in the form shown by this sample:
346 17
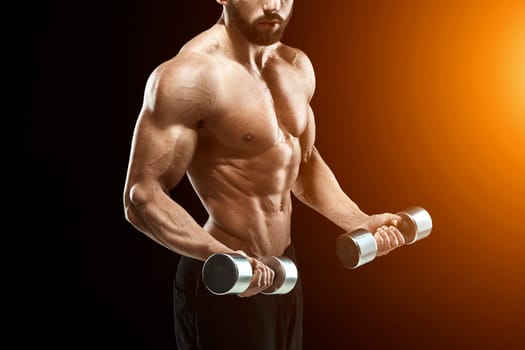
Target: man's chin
265 43
266 40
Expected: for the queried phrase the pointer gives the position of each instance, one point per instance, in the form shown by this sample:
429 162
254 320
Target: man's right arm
163 144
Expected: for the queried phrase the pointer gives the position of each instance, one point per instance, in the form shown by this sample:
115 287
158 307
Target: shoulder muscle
179 91
303 64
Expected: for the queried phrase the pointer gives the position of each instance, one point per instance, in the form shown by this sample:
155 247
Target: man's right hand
262 277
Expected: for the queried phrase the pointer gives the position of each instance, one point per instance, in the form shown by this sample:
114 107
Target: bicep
307 139
161 153
165 135
307 143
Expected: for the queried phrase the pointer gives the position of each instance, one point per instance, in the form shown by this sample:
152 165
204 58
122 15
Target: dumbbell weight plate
416 224
227 273
356 248
285 274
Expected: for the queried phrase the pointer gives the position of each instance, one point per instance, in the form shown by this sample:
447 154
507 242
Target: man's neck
243 51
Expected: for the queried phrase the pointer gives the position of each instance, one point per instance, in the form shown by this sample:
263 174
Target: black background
85 277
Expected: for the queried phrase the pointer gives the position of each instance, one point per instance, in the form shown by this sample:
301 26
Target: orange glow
423 103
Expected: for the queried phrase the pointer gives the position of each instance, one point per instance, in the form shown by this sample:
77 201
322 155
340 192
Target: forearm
169 224
317 187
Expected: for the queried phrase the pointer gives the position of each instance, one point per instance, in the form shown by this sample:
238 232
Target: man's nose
272 5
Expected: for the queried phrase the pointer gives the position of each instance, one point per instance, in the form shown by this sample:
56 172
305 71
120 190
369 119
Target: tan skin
235 117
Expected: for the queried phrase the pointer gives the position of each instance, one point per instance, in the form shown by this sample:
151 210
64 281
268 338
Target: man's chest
256 111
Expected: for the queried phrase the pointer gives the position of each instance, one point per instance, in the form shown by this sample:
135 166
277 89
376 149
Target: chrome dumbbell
359 247
232 273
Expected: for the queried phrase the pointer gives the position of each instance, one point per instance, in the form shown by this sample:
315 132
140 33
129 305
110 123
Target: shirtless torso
250 147
243 134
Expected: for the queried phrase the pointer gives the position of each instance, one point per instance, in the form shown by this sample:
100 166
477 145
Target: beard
255 33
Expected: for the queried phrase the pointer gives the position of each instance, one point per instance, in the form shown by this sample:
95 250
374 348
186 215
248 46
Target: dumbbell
225 273
359 247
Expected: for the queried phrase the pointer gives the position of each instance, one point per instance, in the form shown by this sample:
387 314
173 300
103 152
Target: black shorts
206 321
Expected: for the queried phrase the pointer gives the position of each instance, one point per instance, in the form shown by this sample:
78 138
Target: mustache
270 17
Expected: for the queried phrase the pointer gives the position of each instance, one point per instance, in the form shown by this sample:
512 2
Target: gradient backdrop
417 103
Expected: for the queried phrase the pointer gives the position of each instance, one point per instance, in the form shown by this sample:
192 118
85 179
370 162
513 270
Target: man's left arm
317 187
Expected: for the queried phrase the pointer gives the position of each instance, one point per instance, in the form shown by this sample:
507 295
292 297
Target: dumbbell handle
359 247
232 274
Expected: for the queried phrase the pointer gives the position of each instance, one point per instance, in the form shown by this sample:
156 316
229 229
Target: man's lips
270 23
270 20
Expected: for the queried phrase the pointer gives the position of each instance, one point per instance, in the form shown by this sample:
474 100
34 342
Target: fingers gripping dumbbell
359 247
232 273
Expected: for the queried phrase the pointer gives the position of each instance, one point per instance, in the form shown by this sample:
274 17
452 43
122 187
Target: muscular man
232 111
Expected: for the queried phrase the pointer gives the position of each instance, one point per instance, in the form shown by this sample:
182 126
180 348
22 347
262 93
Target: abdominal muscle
252 224
249 200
